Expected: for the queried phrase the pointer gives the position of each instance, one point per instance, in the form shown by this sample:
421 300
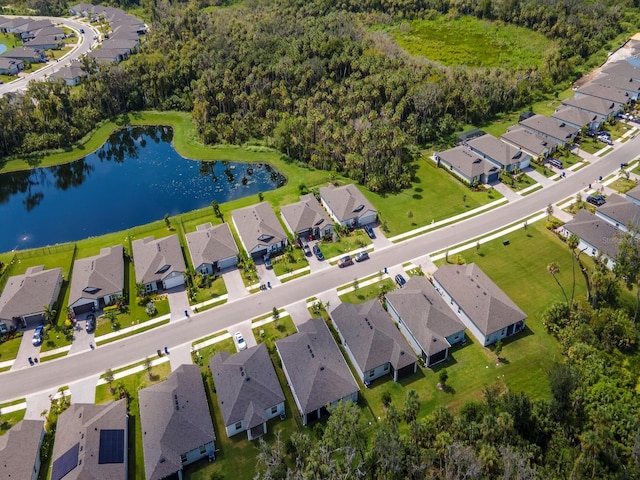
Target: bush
110 308
151 309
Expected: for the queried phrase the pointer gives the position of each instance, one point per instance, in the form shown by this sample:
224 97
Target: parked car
370 232
400 280
345 261
239 339
361 256
554 162
597 200
90 326
38 336
306 249
317 252
267 262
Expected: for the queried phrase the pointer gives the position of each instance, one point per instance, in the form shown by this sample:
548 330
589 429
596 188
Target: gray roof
209 244
621 210
605 91
150 256
466 161
634 193
317 371
493 148
121 43
258 225
595 231
371 335
305 214
346 202
576 116
175 419
41 40
14 22
102 275
621 81
22 52
82 423
27 294
488 307
425 313
594 104
529 140
69 72
20 449
550 126
9 62
623 68
38 25
246 385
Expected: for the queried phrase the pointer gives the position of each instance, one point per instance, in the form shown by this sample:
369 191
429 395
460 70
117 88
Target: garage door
368 218
34 320
228 262
80 309
173 281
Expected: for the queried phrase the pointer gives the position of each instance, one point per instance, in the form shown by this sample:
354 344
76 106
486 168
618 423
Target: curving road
84 46
50 375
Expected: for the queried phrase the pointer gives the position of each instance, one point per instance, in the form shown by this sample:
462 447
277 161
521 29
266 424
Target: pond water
136 177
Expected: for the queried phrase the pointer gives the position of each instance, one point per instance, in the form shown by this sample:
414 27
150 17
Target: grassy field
472 42
9 349
8 420
346 243
364 294
622 185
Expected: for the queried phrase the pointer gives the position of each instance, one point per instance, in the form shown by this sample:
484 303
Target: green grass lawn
567 158
617 129
9 348
216 289
8 420
364 294
521 182
289 261
592 145
345 243
542 169
623 185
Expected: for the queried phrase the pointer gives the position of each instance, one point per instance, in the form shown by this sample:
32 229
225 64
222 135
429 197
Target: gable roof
317 371
246 385
346 202
27 294
576 116
605 91
529 140
305 214
488 307
150 256
370 334
175 419
501 152
20 449
622 68
621 210
81 428
69 73
594 104
634 193
258 225
550 126
209 244
425 313
8 63
23 52
97 276
595 231
620 81
466 161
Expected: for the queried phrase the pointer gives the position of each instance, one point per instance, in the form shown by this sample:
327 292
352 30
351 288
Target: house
44 42
595 105
50 30
551 128
81 10
14 25
485 310
425 320
176 423
71 75
259 230
212 248
501 154
467 165
606 92
29 30
315 369
24 298
130 45
26 54
622 68
347 205
96 280
105 56
91 442
9 66
373 343
248 390
620 212
625 83
158 264
597 236
634 195
307 218
579 118
530 142
20 450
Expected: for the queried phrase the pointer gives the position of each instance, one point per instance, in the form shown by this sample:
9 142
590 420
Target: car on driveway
317 252
370 232
90 326
345 261
38 336
361 256
267 262
597 200
306 249
400 280
240 343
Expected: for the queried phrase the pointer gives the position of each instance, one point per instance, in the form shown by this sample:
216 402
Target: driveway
245 329
84 391
26 350
82 340
381 240
315 264
235 286
178 303
298 312
266 274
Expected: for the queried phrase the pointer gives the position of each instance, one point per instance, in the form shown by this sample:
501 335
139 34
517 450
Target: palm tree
553 268
49 314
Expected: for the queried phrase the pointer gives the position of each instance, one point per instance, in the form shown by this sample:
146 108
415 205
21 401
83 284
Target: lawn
8 420
9 348
521 181
617 129
289 261
543 169
215 290
346 243
623 185
592 145
364 294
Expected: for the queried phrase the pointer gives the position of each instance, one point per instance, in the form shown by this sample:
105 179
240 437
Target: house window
372 373
203 449
458 309
386 367
3 328
183 458
274 409
238 425
593 251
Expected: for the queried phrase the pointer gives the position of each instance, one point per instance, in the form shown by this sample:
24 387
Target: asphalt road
86 42
63 371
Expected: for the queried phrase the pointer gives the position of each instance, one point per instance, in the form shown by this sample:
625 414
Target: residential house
620 212
91 442
307 219
28 31
530 142
71 75
347 205
373 343
248 390
634 195
597 236
315 370
26 54
50 30
485 310
175 423
467 165
81 10
259 230
425 320
501 154
551 128
44 42
20 450
625 83
96 280
622 68
606 92
9 66
130 45
158 263
579 118
105 56
14 25
25 297
212 248
595 105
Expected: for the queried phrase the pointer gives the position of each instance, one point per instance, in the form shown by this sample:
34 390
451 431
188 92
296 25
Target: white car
240 343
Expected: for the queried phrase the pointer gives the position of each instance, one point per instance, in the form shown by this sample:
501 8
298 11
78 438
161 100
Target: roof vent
322 368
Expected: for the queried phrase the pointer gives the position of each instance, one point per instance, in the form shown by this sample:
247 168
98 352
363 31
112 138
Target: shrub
151 309
110 308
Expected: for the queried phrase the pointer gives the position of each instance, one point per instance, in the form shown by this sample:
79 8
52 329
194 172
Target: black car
597 200
370 232
317 252
400 280
91 323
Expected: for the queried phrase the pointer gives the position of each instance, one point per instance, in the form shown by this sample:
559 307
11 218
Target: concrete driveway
245 329
26 350
178 303
234 283
82 340
381 240
298 312
266 274
315 264
84 391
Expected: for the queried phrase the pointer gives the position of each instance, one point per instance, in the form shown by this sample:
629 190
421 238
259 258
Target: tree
627 262
498 349
276 315
108 377
260 196
147 365
167 221
553 268
549 211
141 290
411 406
49 314
216 210
443 376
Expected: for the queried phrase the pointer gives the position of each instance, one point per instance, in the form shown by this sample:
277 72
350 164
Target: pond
136 177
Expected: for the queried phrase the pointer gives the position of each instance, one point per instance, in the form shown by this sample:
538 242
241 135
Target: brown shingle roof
150 256
305 214
95 277
20 448
346 202
209 244
27 294
258 225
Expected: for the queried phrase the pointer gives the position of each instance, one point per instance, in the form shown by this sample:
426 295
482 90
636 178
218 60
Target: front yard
345 244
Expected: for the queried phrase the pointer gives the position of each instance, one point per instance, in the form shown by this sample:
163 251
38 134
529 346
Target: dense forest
312 79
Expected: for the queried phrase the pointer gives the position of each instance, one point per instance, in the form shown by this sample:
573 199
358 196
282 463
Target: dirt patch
628 49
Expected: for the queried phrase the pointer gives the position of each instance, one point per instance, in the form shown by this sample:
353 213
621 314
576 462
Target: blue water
136 177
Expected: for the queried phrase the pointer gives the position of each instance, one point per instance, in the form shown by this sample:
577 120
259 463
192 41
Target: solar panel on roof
111 448
65 463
